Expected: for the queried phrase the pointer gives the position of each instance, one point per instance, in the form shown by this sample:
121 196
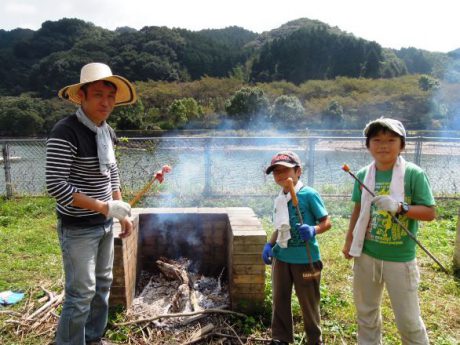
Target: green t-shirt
385 239
312 209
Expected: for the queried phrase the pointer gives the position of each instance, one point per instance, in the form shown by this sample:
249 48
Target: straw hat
95 71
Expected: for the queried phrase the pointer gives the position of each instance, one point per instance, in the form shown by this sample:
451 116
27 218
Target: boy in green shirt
383 252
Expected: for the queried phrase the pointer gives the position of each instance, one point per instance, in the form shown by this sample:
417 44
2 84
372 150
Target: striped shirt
72 166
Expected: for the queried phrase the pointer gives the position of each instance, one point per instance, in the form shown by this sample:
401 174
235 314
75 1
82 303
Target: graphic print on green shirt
385 239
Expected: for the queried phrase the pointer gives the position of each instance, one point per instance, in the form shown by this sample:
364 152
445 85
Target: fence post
418 150
457 247
311 161
207 167
7 167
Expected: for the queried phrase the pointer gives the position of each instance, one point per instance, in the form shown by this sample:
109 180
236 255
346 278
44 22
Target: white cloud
19 9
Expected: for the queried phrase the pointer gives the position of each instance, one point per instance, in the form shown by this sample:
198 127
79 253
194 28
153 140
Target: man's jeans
88 259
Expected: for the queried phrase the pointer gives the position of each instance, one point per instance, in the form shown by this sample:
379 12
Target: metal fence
233 166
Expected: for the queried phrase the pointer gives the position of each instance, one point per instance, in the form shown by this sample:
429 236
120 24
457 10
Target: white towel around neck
281 216
105 151
396 192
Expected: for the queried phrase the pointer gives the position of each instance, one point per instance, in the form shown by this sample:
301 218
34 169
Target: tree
427 83
247 104
333 115
128 117
287 110
20 116
184 110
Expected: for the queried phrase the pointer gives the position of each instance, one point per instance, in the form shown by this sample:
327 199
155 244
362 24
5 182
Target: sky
425 24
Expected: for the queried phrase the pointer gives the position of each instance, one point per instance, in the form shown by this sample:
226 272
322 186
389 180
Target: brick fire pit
214 239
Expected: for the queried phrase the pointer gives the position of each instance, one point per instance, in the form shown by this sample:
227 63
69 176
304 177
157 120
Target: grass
30 257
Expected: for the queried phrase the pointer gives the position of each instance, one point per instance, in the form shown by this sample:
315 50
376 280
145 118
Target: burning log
185 294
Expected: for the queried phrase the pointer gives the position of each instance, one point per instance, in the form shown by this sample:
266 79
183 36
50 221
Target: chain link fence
224 167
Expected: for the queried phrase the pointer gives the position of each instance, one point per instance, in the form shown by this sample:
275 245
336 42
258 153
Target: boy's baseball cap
286 158
392 124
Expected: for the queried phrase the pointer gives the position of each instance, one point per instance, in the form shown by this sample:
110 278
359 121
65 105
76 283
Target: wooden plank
248 279
248 237
247 259
248 288
248 248
249 269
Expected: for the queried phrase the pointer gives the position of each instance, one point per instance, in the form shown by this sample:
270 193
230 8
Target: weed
31 256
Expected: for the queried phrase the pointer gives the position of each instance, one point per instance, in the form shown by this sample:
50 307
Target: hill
43 60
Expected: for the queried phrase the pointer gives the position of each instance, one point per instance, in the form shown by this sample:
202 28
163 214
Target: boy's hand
267 254
386 203
307 232
346 250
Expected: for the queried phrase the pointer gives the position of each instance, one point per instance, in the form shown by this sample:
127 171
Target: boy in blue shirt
288 255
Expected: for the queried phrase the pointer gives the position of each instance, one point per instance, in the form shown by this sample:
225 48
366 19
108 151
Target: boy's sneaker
278 342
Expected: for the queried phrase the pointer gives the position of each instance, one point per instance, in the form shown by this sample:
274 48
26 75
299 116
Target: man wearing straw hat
82 175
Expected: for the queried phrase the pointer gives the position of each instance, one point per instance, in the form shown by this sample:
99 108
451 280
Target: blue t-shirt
312 209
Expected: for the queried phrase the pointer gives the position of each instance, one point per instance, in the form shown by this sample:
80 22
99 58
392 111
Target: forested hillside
226 76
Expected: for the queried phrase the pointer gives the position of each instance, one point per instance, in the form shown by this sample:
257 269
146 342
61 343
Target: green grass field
30 258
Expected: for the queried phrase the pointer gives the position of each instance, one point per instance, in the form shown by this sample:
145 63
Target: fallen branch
57 299
236 334
198 317
262 340
10 312
165 316
200 334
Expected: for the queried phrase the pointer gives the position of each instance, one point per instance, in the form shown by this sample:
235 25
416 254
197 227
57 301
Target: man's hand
386 203
118 209
267 254
126 227
307 232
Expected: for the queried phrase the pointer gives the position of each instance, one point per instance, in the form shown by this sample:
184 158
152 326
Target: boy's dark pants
284 275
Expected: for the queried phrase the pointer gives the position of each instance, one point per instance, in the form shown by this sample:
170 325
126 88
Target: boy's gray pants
401 280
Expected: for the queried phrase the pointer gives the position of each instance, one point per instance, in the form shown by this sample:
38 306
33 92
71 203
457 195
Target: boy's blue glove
307 232
267 254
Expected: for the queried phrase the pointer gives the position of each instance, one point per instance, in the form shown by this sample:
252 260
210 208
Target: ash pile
177 290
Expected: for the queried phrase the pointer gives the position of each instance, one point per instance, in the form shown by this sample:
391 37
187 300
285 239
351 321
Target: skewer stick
346 168
159 175
295 203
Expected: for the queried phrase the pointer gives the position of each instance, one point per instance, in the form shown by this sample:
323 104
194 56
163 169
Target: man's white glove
386 203
118 209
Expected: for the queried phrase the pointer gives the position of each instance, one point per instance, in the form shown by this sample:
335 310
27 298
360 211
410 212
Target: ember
176 289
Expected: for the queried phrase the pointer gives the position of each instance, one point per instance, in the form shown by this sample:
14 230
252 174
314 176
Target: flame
346 168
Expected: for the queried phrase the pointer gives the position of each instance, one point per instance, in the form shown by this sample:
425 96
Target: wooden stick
262 340
141 193
200 334
295 203
198 317
44 307
10 312
236 334
396 220
157 176
165 316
